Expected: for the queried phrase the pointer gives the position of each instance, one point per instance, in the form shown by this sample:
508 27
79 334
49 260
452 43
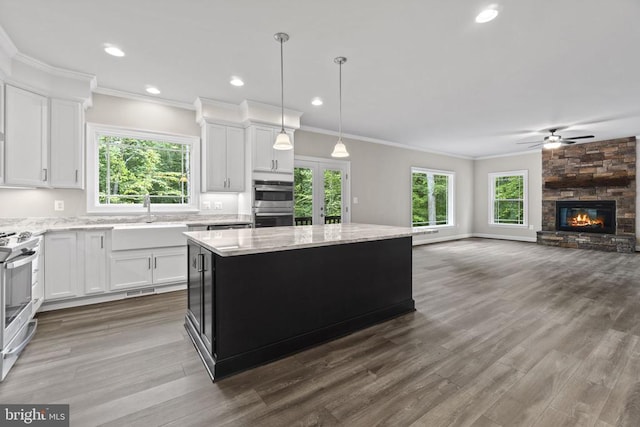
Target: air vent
140 292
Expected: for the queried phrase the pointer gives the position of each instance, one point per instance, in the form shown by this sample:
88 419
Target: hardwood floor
505 334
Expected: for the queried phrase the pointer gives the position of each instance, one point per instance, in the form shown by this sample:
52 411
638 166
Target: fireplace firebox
586 216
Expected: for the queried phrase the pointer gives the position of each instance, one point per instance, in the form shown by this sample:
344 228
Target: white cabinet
26 156
138 268
60 265
265 158
94 260
66 144
130 269
43 141
222 158
169 265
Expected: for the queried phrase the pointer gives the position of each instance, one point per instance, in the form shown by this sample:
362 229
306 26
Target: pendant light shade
283 142
340 150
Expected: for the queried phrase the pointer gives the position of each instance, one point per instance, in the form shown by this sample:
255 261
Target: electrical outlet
206 205
355 200
58 205
217 205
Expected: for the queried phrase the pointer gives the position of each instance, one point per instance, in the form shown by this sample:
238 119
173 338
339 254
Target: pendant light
340 150
282 140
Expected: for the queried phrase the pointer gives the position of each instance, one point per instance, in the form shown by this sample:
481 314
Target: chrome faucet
147 204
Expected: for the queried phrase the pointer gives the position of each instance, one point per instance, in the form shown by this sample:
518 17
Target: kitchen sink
147 235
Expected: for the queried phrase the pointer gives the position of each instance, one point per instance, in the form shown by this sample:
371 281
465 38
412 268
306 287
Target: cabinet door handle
276 164
272 164
101 242
228 182
76 175
45 174
155 262
149 259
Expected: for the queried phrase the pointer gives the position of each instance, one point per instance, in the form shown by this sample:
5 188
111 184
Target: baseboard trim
503 237
106 297
441 239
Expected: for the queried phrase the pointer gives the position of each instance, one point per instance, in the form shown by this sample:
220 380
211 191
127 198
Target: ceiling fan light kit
554 141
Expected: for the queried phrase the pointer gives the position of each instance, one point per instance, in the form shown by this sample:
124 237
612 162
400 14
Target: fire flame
584 220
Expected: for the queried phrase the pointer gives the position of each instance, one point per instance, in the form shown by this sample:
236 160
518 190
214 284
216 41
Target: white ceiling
419 72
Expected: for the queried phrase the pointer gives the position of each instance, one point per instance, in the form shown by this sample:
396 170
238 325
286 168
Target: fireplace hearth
586 216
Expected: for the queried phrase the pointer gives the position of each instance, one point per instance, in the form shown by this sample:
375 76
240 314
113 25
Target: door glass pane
303 196
332 196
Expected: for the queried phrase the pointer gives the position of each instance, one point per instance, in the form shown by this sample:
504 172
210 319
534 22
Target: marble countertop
273 239
39 225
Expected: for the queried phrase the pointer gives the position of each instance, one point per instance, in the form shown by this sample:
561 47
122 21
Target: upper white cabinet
66 143
265 158
43 140
26 143
222 158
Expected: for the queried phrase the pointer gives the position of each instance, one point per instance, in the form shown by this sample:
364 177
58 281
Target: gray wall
381 180
531 162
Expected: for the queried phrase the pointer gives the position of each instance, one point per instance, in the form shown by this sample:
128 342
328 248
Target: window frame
94 131
450 197
525 197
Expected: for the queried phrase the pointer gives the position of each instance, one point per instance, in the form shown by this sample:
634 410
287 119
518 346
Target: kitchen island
256 295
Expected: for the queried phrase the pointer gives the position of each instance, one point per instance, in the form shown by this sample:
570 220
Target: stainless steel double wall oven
272 203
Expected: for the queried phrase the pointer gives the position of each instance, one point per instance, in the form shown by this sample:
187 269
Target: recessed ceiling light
487 15
236 81
153 90
113 50
316 101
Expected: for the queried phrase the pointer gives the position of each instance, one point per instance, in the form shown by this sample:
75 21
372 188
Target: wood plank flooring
505 334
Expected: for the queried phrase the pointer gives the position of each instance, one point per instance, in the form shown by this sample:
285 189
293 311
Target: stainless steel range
18 253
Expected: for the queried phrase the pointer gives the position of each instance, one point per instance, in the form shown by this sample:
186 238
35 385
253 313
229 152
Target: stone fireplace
589 196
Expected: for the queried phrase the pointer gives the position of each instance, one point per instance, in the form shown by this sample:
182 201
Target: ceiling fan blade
567 142
578 137
530 142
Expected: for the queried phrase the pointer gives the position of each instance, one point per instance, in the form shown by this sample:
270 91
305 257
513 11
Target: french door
321 191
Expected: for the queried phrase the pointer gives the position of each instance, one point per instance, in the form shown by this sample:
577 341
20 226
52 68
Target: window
508 198
126 165
431 198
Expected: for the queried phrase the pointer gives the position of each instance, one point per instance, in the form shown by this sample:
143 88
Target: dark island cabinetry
250 308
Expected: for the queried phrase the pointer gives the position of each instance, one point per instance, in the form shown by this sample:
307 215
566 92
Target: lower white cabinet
60 265
94 253
138 268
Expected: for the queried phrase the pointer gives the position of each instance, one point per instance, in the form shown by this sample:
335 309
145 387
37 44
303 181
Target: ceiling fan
555 141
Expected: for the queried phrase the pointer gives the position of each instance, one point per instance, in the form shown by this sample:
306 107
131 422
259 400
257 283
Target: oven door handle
30 256
273 188
33 325
274 214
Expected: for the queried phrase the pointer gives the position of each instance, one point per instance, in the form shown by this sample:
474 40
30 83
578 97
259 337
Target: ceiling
421 73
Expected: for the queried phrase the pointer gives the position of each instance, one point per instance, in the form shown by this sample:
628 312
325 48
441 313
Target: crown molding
520 153
144 98
55 71
382 142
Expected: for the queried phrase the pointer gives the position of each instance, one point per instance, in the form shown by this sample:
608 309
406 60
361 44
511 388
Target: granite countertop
39 225
273 239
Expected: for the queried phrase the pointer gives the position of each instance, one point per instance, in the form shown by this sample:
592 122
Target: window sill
139 211
431 228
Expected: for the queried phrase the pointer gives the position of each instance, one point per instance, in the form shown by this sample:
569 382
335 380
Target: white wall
381 180
531 162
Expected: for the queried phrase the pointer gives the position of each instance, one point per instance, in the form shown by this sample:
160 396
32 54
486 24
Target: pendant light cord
282 81
340 98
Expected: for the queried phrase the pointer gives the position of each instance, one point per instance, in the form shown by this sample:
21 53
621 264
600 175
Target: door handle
155 262
228 182
46 175
276 164
149 259
273 164
101 242
76 175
